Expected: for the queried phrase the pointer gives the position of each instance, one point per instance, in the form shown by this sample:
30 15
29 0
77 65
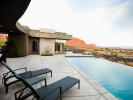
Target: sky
102 22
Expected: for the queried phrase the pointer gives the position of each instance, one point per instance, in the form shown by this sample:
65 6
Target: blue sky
103 22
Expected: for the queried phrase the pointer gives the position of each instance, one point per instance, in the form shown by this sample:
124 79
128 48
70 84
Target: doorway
35 46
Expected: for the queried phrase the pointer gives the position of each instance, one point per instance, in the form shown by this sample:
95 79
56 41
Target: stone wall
47 43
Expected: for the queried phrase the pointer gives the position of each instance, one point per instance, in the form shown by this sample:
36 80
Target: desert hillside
79 44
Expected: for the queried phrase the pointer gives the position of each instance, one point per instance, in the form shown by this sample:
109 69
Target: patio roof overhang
56 35
10 12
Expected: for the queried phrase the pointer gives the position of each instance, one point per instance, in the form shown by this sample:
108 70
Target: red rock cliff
79 44
3 36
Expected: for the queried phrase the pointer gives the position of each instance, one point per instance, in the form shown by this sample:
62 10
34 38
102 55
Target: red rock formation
79 44
3 36
91 45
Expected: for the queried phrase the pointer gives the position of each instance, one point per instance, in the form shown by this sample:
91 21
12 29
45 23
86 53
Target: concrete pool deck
61 67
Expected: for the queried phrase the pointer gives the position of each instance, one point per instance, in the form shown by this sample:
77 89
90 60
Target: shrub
60 51
121 62
47 51
95 53
87 53
13 49
2 43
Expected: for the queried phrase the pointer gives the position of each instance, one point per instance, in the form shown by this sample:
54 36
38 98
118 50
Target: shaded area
10 12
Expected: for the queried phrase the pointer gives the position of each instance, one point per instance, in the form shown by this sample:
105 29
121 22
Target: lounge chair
49 92
3 56
25 75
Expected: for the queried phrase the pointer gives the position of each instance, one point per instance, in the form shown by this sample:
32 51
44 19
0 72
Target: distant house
43 39
30 41
38 41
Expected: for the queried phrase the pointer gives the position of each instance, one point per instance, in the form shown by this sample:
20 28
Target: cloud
81 6
105 22
126 19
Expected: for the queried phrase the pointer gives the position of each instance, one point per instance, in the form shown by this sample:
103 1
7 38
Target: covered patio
11 11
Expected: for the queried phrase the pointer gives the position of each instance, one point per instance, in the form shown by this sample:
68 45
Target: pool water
114 77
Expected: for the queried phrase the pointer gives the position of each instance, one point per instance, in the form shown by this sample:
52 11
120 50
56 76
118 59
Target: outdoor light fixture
1 26
10 31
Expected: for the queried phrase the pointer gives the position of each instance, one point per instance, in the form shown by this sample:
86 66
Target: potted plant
47 52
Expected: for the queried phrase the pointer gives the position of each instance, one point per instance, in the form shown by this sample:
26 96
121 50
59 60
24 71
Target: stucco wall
47 43
22 40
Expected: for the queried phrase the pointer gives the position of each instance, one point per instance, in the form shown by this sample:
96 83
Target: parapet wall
56 35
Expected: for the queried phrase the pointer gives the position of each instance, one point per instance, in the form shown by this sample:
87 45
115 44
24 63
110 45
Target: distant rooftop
48 33
45 30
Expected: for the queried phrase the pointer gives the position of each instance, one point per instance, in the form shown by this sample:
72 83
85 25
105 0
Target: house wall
47 43
22 40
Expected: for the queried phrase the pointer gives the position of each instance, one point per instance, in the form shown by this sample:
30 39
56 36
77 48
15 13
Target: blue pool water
114 77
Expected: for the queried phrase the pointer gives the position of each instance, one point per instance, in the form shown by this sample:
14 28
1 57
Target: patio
61 67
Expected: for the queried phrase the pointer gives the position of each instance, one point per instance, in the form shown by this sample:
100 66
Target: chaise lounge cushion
35 73
52 92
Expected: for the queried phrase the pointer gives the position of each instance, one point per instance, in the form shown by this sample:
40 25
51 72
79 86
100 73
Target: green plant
47 51
60 51
95 53
130 53
13 49
89 53
107 49
2 43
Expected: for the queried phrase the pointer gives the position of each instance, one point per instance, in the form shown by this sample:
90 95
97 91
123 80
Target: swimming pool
114 77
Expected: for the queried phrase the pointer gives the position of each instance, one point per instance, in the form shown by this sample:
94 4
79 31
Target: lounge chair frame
9 75
31 81
58 88
4 56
